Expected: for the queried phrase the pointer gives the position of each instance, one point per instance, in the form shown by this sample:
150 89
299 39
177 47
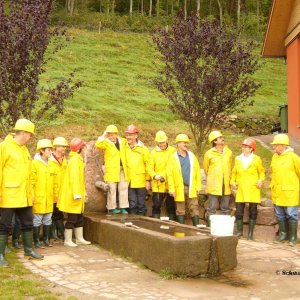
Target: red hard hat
250 142
131 129
76 144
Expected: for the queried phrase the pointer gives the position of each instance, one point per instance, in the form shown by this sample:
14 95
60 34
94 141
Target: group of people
174 176
38 192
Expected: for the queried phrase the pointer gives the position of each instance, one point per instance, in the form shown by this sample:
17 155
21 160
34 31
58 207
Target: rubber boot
239 227
3 242
293 233
181 219
29 253
208 222
16 232
36 237
68 238
46 235
124 211
60 229
114 211
251 229
53 231
156 216
283 231
79 237
195 220
171 217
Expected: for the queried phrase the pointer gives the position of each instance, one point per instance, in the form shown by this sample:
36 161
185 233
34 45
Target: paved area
264 271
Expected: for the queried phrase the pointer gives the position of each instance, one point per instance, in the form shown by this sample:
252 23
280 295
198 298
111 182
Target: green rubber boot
60 229
239 227
251 229
283 231
293 233
53 231
46 235
171 217
181 219
29 253
36 237
195 220
3 242
16 232
156 216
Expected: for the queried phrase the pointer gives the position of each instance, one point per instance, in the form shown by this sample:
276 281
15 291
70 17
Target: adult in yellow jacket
184 179
44 191
115 172
159 158
137 158
217 165
72 194
15 189
59 162
247 179
285 167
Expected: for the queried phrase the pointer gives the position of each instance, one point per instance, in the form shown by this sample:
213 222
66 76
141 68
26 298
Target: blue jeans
286 213
136 197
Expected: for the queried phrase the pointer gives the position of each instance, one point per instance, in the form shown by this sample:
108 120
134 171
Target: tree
24 37
204 70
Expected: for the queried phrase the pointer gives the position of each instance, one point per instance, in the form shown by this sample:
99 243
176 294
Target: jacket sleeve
147 161
100 143
297 164
261 170
151 171
198 174
234 173
170 175
75 183
206 163
33 179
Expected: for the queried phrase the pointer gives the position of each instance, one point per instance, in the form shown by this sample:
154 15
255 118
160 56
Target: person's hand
77 197
157 177
172 194
148 185
234 186
259 184
198 192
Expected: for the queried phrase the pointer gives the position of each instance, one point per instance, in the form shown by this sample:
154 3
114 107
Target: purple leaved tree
204 70
25 34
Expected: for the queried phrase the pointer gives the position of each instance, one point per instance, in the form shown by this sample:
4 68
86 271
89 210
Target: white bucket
221 225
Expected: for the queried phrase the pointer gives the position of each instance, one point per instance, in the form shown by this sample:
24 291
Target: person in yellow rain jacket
137 158
15 189
285 167
217 165
115 172
184 179
247 178
72 194
44 191
59 162
159 157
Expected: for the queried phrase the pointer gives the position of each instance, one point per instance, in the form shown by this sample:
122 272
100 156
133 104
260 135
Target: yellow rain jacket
15 160
112 158
285 178
59 170
246 179
137 159
217 167
175 179
73 186
158 166
44 186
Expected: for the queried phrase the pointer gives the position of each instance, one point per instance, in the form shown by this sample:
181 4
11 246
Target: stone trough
162 245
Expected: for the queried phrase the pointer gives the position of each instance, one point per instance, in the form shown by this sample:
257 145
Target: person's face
183 146
61 150
25 137
279 149
246 150
112 136
46 153
162 145
131 138
220 141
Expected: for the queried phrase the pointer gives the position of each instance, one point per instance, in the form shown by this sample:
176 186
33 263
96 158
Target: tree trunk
157 8
70 6
220 11
198 7
167 7
130 8
238 15
185 10
257 14
113 4
150 8
172 7
142 7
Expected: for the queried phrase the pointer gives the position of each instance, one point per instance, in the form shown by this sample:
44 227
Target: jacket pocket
11 184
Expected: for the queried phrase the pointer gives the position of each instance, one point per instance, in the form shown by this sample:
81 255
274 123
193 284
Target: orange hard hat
76 144
131 129
250 142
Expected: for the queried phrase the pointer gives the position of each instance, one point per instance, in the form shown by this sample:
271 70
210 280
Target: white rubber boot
68 238
79 237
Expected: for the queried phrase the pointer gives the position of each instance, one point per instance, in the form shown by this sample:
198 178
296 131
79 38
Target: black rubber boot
181 219
46 234
283 231
16 232
60 229
208 222
156 216
195 220
29 253
239 227
3 242
251 229
293 233
53 231
36 237
171 217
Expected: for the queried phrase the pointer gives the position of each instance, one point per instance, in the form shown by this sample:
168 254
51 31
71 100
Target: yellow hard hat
160 137
112 129
281 139
182 138
24 125
214 135
60 141
44 143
